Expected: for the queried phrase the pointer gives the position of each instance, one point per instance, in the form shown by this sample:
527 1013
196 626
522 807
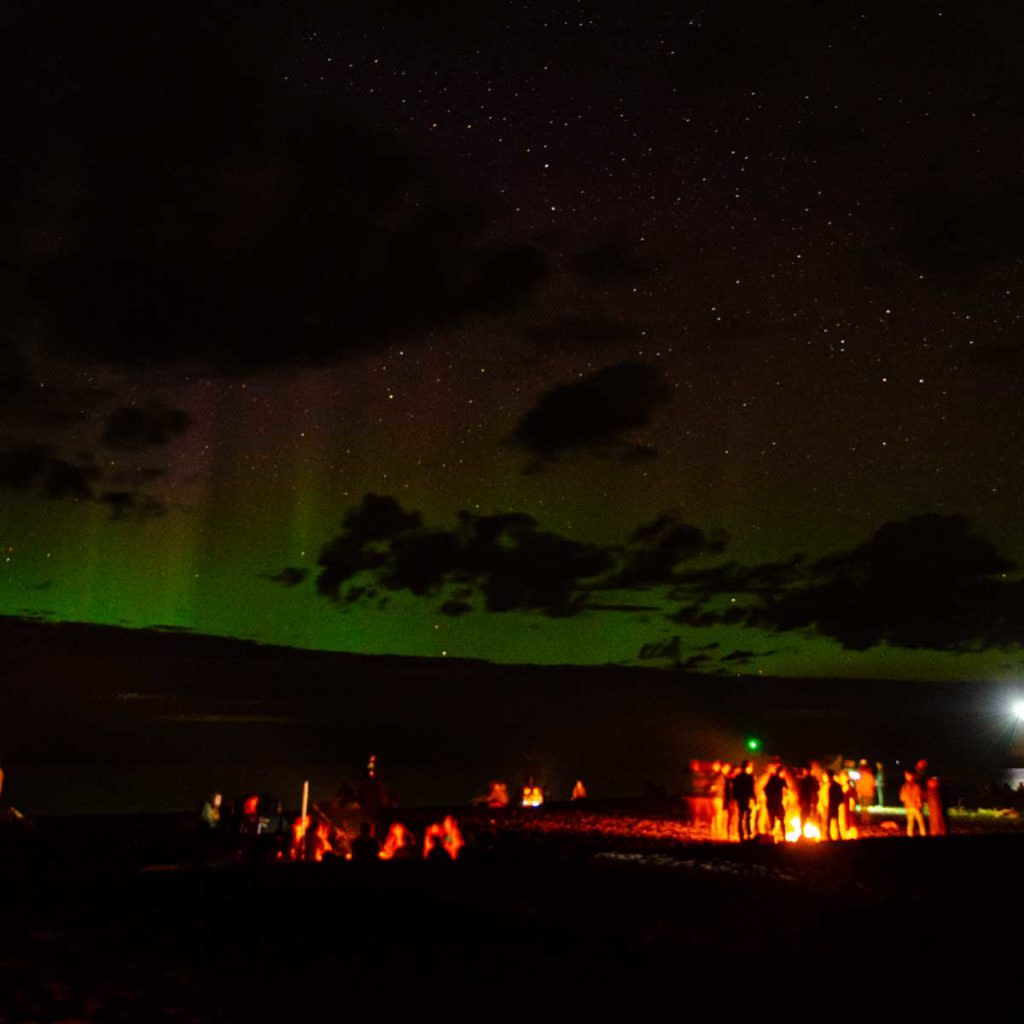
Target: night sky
670 334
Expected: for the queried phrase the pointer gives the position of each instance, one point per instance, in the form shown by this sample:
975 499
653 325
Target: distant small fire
310 842
532 796
398 839
446 835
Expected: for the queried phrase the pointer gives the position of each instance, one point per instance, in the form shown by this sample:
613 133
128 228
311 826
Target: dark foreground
102 933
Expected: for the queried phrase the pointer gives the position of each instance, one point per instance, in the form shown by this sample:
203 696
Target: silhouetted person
743 793
438 854
365 848
912 799
807 795
833 801
866 790
936 812
774 788
721 792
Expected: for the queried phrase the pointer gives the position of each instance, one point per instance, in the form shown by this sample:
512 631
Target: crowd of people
813 801
352 825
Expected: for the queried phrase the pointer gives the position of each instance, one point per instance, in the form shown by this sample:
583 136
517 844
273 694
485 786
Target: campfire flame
310 845
398 838
532 796
449 835
797 830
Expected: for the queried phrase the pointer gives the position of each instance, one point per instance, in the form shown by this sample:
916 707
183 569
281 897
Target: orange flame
797 830
532 796
453 841
398 837
310 845
447 833
299 827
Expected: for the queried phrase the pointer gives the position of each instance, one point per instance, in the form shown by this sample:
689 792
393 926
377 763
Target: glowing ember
812 832
310 844
498 795
398 838
446 835
532 796
299 829
453 841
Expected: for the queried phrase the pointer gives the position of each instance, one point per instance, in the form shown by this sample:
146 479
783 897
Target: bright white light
1018 709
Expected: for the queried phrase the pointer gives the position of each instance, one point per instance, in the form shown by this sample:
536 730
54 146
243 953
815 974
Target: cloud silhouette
505 559
132 505
149 426
924 582
38 468
593 414
656 549
927 582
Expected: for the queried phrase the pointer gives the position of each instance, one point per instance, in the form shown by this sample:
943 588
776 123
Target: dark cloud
739 657
359 548
37 468
172 199
149 426
658 649
505 560
656 549
456 607
594 414
924 582
291 576
927 581
132 505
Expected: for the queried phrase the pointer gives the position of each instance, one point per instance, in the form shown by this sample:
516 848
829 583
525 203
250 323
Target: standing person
912 799
936 811
880 783
210 814
720 801
774 789
807 792
732 825
832 793
743 793
865 790
846 808
365 848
